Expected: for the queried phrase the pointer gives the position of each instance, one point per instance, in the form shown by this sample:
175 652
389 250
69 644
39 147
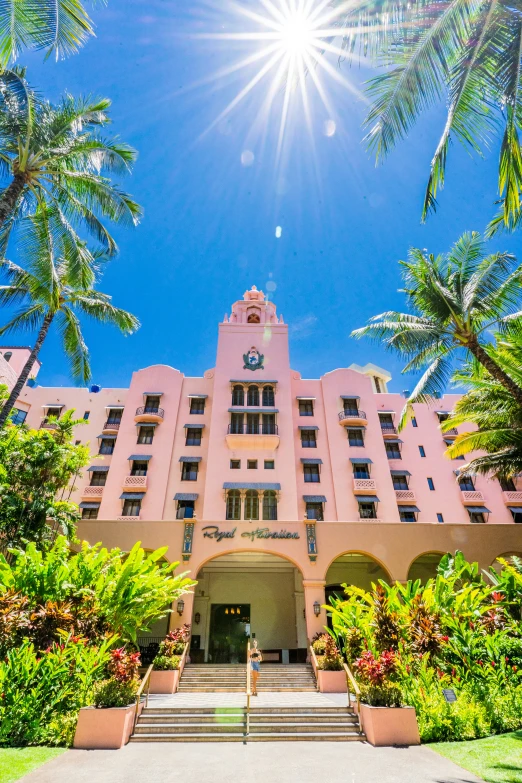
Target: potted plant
383 718
31 381
169 662
109 722
330 674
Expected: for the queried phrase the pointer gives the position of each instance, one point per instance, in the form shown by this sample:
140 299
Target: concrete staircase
228 724
231 678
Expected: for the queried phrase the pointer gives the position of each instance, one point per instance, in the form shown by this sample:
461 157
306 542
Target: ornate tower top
253 309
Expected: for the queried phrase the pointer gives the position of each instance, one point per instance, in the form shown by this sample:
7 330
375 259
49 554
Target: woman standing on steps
255 661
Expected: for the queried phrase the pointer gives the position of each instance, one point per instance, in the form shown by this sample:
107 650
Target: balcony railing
364 485
367 514
451 433
48 425
112 425
512 496
403 495
128 519
248 429
351 414
92 492
474 496
388 429
149 410
135 482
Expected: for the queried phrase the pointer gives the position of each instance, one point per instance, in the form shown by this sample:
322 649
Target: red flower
445 638
493 663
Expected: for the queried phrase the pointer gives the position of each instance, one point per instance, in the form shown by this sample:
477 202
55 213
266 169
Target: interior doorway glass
228 633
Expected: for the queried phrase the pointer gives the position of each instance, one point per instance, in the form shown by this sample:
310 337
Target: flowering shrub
120 688
332 659
319 643
171 648
376 679
123 666
166 662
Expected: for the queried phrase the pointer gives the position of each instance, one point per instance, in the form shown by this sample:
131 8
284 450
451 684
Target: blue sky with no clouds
209 230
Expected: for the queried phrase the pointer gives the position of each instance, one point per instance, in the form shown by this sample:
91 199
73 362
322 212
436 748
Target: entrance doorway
229 632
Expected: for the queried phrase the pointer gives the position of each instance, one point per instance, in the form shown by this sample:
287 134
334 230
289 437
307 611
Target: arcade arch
354 568
425 566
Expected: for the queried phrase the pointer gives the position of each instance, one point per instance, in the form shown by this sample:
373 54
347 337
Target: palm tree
55 154
456 299
59 26
466 53
49 291
495 412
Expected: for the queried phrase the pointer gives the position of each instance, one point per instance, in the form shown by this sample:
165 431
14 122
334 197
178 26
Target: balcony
470 498
513 498
92 492
135 482
111 426
404 495
348 417
450 434
128 519
364 485
388 430
363 517
147 413
48 425
247 437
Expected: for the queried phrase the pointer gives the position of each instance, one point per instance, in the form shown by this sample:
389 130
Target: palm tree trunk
495 370
28 366
10 198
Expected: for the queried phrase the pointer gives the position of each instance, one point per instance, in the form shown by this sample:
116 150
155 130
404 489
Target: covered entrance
248 593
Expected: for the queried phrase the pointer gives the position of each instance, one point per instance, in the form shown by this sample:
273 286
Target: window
106 446
253 318
152 403
131 508
306 407
414 422
233 504
378 384
440 518
308 439
251 505
269 464
367 511
238 395
197 405
236 424
407 516
115 415
54 412
507 485
77 442
139 467
311 474
193 436
86 415
235 464
477 517
351 406
268 397
356 437
466 484
361 470
517 514
252 426
270 505
253 397
269 425
145 434
7 356
98 478
400 482
315 511
189 471
461 456
421 451
251 464
387 424
185 509
393 451
18 416
90 513
431 485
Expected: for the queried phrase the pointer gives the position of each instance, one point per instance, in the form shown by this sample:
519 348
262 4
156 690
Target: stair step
268 718
219 711
252 737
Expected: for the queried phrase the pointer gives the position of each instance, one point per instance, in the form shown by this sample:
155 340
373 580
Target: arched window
253 318
270 505
7 355
253 396
238 395
251 505
234 504
268 396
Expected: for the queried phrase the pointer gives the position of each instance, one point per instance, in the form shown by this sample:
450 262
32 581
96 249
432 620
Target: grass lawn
17 762
495 759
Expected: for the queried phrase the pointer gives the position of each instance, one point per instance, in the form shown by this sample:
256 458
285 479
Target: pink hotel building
271 488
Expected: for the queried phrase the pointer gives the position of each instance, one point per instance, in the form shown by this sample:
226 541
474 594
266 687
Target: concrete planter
104 728
389 725
331 682
164 681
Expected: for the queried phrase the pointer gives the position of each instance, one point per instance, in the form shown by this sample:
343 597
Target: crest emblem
253 359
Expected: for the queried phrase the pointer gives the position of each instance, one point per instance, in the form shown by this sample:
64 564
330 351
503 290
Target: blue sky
209 229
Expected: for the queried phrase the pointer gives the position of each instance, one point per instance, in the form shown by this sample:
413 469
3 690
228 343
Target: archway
425 566
353 568
506 556
242 594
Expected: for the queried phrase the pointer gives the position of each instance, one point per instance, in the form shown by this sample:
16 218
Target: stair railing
145 681
351 682
248 693
183 658
315 665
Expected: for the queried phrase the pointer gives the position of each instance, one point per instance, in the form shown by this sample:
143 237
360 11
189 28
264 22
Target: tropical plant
55 283
455 300
61 27
376 675
120 687
55 155
36 468
129 590
331 659
164 663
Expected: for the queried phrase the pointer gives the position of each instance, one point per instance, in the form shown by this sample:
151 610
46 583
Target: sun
297 33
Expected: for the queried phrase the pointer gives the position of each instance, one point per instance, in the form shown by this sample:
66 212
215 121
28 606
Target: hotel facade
271 489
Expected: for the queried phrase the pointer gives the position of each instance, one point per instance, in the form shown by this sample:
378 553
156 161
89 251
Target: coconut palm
48 291
455 299
59 26
495 412
55 154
